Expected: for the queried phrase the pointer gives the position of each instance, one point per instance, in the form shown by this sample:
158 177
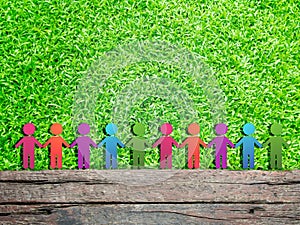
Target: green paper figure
276 143
138 143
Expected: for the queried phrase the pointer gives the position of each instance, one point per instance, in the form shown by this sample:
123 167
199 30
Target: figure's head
139 129
84 128
29 129
249 128
56 128
221 128
194 129
166 129
276 129
111 129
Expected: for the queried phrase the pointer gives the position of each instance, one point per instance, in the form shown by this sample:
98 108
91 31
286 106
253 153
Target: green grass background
251 46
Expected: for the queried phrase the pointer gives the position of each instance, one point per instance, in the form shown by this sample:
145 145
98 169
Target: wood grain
150 197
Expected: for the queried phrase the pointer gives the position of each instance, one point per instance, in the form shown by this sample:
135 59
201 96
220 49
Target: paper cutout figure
276 143
83 144
166 142
221 143
193 143
111 143
56 142
138 143
28 143
248 142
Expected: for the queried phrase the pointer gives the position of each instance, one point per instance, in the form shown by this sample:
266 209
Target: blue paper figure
111 143
248 143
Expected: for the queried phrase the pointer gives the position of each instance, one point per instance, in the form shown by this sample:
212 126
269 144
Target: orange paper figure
56 143
193 143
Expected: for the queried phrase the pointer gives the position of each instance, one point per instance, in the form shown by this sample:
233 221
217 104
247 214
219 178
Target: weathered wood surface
150 197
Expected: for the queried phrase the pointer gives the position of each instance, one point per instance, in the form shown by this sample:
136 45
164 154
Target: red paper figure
193 143
28 143
166 142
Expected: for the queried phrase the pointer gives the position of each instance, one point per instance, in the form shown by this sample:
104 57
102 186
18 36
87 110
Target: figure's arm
19 143
239 143
38 143
210 144
202 143
285 143
266 143
129 143
147 144
257 143
184 143
47 143
102 143
65 143
93 143
73 143
158 142
175 143
230 143
120 143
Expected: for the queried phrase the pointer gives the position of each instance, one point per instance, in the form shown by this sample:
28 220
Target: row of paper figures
165 143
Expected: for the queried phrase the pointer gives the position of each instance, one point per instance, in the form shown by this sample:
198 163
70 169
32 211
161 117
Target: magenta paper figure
193 143
166 142
28 143
111 143
83 144
221 145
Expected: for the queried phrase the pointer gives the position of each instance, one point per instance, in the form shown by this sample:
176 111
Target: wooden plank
151 214
150 197
154 186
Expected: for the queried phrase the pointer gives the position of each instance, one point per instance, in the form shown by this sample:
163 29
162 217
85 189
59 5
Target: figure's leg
87 160
25 159
114 162
251 156
59 161
224 161
169 161
272 160
196 160
142 158
218 161
107 160
279 161
245 160
163 160
80 160
190 161
53 161
135 158
31 161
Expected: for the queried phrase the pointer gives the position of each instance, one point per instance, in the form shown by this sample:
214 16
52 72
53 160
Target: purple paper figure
111 143
221 143
83 144
166 142
28 143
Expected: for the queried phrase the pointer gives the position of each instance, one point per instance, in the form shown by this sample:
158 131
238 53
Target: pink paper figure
56 143
28 143
166 142
221 143
193 143
83 144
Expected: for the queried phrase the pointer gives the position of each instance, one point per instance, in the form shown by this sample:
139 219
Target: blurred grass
251 46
